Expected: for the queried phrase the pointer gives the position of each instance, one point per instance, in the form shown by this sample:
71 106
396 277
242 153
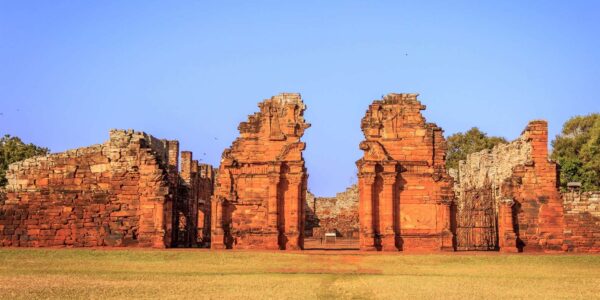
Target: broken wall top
493 167
98 158
395 130
272 134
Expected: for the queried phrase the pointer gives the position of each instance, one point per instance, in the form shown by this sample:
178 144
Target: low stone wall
582 221
124 192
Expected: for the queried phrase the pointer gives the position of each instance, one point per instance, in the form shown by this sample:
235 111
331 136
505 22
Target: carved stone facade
523 196
120 193
261 186
405 192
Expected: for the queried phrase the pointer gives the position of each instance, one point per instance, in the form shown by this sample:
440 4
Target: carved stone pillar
273 203
444 220
217 234
507 238
365 212
292 217
386 212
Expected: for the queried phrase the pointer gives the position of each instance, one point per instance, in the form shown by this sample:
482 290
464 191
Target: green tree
462 144
577 151
12 149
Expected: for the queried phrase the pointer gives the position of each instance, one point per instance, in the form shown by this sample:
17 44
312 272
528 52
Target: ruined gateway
139 191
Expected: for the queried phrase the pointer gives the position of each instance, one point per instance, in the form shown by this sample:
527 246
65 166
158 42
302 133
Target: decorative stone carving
261 186
404 190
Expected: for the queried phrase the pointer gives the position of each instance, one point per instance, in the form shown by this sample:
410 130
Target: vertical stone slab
173 170
387 213
365 213
506 234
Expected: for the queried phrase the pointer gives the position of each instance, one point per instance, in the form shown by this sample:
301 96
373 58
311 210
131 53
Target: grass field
76 273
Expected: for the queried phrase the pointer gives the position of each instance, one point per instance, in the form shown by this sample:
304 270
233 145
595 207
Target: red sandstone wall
405 192
120 193
539 223
104 195
261 183
519 175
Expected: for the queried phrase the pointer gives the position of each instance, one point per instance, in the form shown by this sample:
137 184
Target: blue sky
192 70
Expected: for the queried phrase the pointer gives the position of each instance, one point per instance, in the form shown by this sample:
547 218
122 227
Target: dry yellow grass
100 274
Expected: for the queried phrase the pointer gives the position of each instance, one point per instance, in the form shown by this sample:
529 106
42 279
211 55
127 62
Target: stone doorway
477 225
331 223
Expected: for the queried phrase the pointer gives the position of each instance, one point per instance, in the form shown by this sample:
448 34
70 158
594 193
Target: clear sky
192 70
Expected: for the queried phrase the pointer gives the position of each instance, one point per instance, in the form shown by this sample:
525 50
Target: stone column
183 203
292 220
186 166
507 239
386 212
173 170
217 234
365 211
444 220
193 205
272 211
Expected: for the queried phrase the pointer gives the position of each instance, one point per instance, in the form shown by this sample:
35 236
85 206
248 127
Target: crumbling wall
120 193
405 191
519 175
193 209
582 221
103 195
337 214
261 186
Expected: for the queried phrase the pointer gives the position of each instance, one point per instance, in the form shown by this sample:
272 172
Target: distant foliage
462 144
12 149
577 151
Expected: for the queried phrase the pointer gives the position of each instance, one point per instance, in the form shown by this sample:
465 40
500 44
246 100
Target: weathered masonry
582 221
137 190
125 192
507 198
337 214
404 190
260 190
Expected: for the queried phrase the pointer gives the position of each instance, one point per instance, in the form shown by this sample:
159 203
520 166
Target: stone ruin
337 214
136 190
582 221
125 192
507 199
405 191
260 191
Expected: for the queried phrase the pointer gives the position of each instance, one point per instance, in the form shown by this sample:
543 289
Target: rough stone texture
193 202
515 180
405 191
261 186
582 221
120 193
337 214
